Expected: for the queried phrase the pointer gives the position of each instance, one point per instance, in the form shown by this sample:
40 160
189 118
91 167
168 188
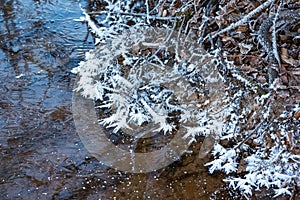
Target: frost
148 88
225 162
245 18
230 167
158 77
267 166
214 165
282 191
19 76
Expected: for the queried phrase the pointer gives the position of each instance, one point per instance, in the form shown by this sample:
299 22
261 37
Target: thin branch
135 14
147 9
274 42
250 135
244 19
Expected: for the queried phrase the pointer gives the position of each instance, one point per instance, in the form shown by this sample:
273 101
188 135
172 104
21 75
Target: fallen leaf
297 115
285 57
245 48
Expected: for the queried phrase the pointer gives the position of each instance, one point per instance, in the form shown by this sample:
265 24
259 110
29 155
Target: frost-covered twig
93 25
274 42
147 11
253 84
284 18
244 19
153 17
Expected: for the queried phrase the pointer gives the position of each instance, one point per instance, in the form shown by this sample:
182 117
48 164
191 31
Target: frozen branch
135 15
274 42
147 10
244 19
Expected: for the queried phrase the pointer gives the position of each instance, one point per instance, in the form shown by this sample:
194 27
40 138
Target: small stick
244 19
135 14
250 135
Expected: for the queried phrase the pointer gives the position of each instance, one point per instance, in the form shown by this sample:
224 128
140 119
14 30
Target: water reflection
42 156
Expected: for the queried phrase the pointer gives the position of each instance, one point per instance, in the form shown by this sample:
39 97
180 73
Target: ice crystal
276 167
150 75
145 75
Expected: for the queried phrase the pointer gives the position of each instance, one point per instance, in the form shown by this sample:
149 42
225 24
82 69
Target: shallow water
42 156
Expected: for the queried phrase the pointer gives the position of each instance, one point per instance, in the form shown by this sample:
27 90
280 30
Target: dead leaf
289 141
296 71
284 79
269 140
242 166
297 115
245 48
285 57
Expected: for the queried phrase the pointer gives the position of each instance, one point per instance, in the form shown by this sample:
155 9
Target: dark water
42 156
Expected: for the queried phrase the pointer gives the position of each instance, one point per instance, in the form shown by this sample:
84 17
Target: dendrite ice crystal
153 76
148 80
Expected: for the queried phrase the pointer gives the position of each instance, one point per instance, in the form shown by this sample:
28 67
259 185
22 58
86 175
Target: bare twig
250 135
